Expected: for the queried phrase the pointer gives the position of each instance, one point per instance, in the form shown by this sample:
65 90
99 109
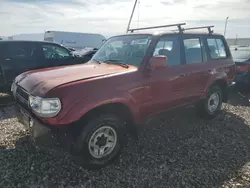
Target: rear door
220 56
196 67
56 55
19 57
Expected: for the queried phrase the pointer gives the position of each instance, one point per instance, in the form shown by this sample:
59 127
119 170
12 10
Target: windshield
240 54
129 49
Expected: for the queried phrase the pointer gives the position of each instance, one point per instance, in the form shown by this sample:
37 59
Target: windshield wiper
116 62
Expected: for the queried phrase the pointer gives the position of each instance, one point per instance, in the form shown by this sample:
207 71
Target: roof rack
162 26
207 27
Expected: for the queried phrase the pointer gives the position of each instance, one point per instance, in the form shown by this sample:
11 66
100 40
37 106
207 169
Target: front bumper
40 134
43 135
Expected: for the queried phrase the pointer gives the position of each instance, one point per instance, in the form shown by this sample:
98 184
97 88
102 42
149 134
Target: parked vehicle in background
130 78
86 54
75 40
17 57
241 56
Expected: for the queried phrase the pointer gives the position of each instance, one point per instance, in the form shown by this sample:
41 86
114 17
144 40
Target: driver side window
169 46
55 52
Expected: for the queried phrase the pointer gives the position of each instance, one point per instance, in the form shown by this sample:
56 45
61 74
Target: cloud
111 16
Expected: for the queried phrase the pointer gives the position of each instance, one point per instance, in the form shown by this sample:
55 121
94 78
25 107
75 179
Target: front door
166 85
19 57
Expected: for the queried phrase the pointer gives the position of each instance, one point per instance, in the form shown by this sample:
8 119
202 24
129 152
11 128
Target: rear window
216 48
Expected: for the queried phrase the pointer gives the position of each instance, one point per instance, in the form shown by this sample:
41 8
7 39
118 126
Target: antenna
130 19
138 17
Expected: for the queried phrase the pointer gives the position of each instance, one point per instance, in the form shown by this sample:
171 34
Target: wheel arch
222 83
119 109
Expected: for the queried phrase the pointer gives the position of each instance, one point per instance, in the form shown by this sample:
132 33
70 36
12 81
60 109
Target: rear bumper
242 78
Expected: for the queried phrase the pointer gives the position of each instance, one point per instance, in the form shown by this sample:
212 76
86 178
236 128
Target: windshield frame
133 34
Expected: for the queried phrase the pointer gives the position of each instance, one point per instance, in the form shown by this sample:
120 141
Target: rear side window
216 48
193 50
170 47
20 51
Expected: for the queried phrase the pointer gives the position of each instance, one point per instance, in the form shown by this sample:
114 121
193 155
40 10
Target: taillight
243 68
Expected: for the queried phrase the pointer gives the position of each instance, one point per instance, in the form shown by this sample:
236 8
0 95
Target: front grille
22 97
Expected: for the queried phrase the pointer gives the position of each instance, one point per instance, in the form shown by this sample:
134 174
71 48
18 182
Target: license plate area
27 120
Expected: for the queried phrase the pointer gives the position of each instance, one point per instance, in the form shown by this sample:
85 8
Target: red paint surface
84 87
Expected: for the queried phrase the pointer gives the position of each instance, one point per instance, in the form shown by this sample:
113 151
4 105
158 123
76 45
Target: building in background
75 40
10 38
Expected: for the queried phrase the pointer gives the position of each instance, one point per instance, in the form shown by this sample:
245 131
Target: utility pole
225 30
236 39
131 16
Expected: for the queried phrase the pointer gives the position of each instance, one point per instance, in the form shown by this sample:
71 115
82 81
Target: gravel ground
175 150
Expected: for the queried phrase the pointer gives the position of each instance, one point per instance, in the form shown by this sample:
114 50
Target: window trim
228 54
204 49
200 40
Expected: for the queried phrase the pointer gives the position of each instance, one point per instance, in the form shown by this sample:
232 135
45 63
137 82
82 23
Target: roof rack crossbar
161 26
204 27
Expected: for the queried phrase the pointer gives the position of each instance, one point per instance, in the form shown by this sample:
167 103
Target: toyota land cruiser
130 77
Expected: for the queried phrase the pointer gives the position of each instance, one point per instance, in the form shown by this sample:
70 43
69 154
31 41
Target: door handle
8 59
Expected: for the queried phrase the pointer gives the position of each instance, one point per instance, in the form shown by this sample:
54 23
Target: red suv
93 106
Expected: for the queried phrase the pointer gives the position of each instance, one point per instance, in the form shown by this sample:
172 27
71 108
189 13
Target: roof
40 41
51 31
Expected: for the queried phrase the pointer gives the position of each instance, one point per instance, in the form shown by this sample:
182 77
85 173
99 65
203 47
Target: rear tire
210 107
100 142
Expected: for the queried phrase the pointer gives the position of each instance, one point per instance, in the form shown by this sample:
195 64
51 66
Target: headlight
45 107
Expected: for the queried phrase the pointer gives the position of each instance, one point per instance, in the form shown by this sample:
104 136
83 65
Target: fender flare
81 108
220 79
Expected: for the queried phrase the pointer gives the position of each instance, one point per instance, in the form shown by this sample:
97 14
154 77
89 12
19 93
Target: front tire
100 141
210 107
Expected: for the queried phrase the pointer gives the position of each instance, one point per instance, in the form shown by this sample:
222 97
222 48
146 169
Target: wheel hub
102 142
213 102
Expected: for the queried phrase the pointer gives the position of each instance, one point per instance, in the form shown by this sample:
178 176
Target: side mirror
158 62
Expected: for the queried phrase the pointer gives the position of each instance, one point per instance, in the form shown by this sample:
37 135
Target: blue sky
110 17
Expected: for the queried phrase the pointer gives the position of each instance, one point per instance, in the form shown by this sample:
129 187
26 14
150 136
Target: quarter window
193 50
55 52
169 47
216 48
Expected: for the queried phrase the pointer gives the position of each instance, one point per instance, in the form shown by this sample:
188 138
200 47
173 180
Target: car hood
39 82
